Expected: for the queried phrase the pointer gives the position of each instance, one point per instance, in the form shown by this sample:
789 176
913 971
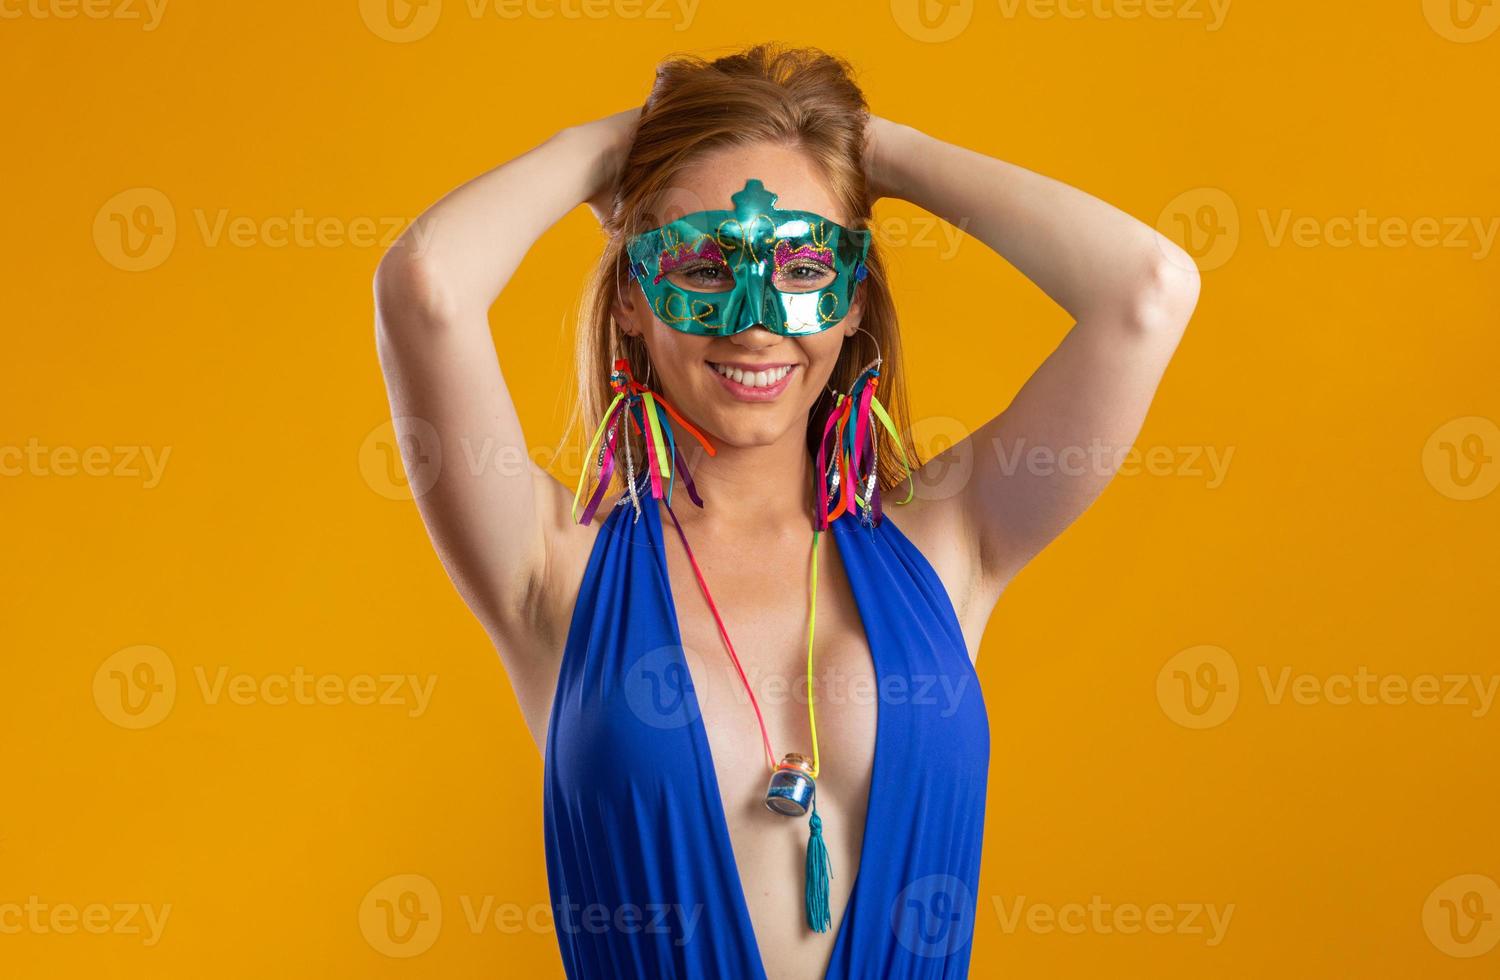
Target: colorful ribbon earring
652 417
848 462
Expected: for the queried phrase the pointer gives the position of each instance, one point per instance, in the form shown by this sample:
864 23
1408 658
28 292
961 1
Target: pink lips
748 394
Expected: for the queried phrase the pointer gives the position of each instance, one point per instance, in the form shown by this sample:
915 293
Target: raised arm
490 524
1130 291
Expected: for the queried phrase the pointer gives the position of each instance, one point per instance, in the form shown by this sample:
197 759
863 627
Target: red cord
770 756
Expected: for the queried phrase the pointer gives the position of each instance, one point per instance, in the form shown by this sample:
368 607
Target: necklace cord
812 617
812 620
724 634
661 449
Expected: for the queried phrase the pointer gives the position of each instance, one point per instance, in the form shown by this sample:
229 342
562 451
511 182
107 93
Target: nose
755 338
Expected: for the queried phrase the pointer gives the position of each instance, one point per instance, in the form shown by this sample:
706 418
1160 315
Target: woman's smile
752 382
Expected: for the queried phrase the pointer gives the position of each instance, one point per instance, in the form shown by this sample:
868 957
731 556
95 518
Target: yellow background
1336 540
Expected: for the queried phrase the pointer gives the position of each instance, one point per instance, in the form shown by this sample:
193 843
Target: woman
657 670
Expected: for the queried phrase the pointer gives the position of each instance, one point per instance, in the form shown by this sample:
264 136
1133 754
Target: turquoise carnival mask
720 272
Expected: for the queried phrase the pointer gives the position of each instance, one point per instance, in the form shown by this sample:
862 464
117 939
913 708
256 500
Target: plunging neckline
700 737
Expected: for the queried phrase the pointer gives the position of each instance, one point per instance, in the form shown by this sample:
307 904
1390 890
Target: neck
743 488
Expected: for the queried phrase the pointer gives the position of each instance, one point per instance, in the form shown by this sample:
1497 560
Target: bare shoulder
942 531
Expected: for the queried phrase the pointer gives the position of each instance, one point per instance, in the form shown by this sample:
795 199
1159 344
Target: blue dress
640 866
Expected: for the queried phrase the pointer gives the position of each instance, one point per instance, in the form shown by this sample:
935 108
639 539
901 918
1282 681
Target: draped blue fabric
641 870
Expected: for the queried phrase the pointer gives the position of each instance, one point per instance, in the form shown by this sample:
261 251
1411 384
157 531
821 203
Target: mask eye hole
804 276
702 276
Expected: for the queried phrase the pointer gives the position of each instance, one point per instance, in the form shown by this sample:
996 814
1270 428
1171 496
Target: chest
764 608
763 603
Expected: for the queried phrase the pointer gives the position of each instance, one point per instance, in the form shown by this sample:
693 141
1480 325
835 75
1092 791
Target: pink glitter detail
786 254
680 254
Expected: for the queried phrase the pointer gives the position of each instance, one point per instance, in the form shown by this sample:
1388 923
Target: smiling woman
738 338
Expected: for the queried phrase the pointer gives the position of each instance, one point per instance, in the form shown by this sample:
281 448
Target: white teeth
759 379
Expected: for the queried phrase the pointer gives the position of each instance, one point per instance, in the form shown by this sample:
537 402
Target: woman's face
754 387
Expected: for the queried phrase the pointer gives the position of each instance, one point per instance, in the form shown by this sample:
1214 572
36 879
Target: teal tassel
819 870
